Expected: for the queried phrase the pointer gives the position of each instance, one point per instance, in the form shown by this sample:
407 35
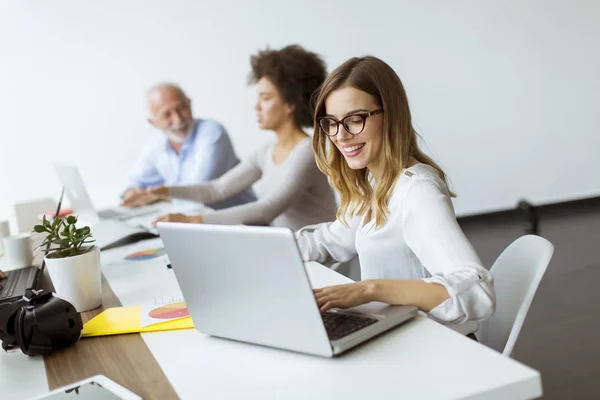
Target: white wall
505 93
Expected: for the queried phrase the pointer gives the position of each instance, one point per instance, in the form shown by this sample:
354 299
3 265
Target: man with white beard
191 150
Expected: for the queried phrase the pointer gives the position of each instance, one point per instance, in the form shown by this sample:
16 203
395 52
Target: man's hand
3 275
137 196
158 191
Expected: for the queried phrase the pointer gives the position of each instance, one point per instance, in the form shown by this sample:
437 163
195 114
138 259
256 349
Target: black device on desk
31 320
39 323
18 280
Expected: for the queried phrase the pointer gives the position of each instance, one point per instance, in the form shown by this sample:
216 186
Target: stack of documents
163 313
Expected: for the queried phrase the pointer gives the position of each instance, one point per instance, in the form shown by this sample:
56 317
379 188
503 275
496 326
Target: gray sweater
291 194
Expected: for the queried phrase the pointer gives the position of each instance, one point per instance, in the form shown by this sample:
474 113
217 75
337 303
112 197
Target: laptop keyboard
109 214
8 285
339 325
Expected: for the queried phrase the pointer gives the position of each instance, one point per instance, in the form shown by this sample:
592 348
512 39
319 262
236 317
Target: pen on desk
62 194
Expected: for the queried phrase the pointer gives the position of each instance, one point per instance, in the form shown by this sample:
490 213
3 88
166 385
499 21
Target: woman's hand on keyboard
2 275
344 296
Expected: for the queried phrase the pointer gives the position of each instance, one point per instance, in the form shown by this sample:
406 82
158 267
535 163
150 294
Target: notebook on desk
17 281
109 234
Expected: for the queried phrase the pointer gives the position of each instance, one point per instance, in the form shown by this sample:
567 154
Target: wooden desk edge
125 359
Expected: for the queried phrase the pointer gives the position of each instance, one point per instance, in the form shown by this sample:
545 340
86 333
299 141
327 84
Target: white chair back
517 274
27 212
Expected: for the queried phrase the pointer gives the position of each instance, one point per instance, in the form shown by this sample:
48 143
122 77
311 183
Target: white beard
176 138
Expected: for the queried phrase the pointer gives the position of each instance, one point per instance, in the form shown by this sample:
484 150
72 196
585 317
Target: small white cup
4 232
18 250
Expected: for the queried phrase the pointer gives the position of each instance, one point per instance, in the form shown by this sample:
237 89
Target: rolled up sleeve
433 234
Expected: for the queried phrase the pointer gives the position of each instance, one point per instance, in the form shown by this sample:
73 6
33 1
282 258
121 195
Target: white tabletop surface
421 359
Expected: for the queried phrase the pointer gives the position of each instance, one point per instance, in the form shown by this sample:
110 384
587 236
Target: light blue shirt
206 155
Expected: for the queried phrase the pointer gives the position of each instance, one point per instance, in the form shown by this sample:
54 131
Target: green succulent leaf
39 229
64 238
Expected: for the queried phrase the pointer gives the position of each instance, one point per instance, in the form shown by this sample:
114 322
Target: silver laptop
81 202
249 284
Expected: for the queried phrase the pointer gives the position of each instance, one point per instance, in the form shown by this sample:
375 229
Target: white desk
421 359
20 376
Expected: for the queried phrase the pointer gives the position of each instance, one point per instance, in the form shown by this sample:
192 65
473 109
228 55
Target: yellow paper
118 320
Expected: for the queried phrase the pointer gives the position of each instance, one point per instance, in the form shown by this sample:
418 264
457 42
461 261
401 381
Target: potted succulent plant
73 262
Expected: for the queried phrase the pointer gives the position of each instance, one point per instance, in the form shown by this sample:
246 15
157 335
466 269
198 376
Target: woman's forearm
201 193
425 296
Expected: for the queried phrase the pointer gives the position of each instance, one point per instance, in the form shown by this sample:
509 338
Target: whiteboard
505 93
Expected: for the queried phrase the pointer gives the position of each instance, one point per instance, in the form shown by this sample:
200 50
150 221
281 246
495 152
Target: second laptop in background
81 201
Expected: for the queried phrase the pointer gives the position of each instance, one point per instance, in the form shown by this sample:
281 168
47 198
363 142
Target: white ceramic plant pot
77 279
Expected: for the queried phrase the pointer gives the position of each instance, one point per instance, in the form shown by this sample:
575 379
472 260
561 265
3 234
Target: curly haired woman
291 190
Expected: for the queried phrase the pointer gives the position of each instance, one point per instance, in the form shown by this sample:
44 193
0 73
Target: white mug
18 250
4 232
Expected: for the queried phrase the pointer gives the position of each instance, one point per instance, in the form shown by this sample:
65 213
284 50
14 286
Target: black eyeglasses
353 123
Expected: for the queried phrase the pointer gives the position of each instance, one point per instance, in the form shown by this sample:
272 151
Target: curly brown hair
297 74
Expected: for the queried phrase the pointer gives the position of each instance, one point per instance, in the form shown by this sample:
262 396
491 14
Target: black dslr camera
39 323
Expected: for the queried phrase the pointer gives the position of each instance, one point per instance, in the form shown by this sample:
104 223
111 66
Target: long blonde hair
375 77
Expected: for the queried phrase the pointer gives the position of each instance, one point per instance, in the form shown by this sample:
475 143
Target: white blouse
420 239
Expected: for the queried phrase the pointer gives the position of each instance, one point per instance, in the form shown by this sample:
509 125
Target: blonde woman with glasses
396 212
